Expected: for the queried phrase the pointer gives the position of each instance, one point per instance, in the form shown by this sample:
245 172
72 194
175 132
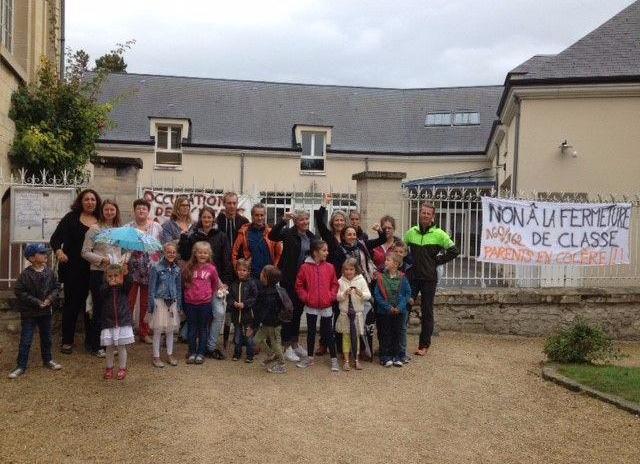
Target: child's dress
117 327
165 294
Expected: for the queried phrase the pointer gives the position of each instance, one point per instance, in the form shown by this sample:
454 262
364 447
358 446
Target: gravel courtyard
474 399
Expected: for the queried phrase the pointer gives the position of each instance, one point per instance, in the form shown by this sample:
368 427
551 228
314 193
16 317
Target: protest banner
162 203
544 233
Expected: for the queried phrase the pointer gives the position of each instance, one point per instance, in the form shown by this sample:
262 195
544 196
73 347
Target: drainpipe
62 39
241 173
366 164
516 149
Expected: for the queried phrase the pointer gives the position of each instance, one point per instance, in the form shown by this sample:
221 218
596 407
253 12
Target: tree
111 62
58 121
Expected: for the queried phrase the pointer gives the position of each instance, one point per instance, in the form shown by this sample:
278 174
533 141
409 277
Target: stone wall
538 312
117 179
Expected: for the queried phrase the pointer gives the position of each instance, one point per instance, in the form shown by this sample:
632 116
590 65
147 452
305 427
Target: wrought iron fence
459 212
43 217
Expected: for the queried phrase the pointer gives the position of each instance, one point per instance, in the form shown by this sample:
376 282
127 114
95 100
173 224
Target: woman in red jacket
317 287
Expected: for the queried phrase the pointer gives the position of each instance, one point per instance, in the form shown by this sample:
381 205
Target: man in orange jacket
253 243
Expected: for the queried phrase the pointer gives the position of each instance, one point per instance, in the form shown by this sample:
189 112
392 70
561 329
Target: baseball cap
34 248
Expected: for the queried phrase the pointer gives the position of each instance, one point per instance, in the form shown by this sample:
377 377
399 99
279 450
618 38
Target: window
466 119
169 145
6 23
313 151
438 119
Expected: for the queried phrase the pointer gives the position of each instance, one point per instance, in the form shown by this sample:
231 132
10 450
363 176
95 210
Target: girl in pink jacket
317 287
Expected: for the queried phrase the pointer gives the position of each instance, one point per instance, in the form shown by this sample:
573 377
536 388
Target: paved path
474 399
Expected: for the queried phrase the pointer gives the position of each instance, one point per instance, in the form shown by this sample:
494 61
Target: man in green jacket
430 247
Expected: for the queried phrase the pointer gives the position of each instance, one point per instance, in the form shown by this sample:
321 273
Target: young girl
392 294
353 291
165 295
242 300
317 286
117 326
267 319
200 279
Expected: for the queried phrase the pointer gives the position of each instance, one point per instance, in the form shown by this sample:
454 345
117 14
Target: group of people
226 270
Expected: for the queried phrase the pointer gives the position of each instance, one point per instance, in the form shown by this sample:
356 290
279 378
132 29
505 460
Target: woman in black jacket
73 271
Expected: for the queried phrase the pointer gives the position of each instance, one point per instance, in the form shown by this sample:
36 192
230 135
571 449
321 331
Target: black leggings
326 331
76 289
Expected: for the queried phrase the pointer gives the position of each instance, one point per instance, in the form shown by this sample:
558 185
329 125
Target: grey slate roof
262 114
610 51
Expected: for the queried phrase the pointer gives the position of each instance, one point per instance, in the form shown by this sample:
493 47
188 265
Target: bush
580 343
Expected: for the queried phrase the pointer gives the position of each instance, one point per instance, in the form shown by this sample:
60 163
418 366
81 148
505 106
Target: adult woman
205 231
180 221
379 252
332 234
99 256
351 247
140 264
354 220
73 271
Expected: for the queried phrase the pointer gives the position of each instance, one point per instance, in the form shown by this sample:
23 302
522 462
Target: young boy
37 289
242 300
401 249
392 294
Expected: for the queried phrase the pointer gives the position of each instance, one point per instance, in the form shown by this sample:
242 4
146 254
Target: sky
374 43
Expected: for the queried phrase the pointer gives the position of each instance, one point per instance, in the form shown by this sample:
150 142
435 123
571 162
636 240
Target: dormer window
168 134
313 140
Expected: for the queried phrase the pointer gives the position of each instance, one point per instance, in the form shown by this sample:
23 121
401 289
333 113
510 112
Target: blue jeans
198 319
26 337
218 309
240 339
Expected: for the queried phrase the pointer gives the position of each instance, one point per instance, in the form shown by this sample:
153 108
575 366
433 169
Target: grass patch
620 381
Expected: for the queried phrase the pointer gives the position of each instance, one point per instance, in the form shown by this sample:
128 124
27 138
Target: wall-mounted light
567 149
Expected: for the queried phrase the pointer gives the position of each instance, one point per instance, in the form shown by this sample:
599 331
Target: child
37 289
165 300
116 322
200 279
352 293
269 305
401 249
242 299
392 294
317 286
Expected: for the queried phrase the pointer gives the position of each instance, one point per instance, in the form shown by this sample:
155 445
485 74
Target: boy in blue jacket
392 294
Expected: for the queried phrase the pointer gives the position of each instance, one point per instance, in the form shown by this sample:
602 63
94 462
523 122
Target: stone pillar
116 178
380 193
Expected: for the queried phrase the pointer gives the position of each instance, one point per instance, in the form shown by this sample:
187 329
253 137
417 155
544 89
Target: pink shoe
108 373
122 373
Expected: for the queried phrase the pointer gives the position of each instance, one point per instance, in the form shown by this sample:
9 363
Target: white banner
539 233
162 203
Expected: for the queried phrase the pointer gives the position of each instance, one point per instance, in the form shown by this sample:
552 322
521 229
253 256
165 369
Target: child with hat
36 289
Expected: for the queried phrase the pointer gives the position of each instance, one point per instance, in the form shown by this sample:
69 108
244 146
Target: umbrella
129 238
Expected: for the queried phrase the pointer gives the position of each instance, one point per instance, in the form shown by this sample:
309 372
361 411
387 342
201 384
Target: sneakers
54 366
191 359
300 351
268 360
248 360
218 354
235 358
345 366
358 365
108 373
306 363
398 363
199 359
17 372
172 361
277 368
334 365
66 349
291 355
157 363
122 373
388 363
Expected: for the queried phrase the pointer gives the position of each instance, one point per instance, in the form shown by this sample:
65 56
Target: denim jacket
165 282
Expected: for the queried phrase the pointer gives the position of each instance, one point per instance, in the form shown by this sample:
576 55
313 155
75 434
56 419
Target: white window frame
466 115
155 125
312 149
326 133
7 24
435 115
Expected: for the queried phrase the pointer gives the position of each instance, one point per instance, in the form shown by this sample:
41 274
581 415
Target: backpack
286 311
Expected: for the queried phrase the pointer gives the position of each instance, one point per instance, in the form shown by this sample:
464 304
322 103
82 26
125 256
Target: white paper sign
162 203
544 233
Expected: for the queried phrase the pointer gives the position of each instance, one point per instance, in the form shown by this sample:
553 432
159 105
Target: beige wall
268 171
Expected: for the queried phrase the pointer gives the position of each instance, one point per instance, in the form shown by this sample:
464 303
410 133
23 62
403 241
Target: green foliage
111 62
580 343
58 121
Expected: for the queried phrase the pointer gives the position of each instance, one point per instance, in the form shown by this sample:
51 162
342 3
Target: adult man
296 242
228 220
430 247
253 243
